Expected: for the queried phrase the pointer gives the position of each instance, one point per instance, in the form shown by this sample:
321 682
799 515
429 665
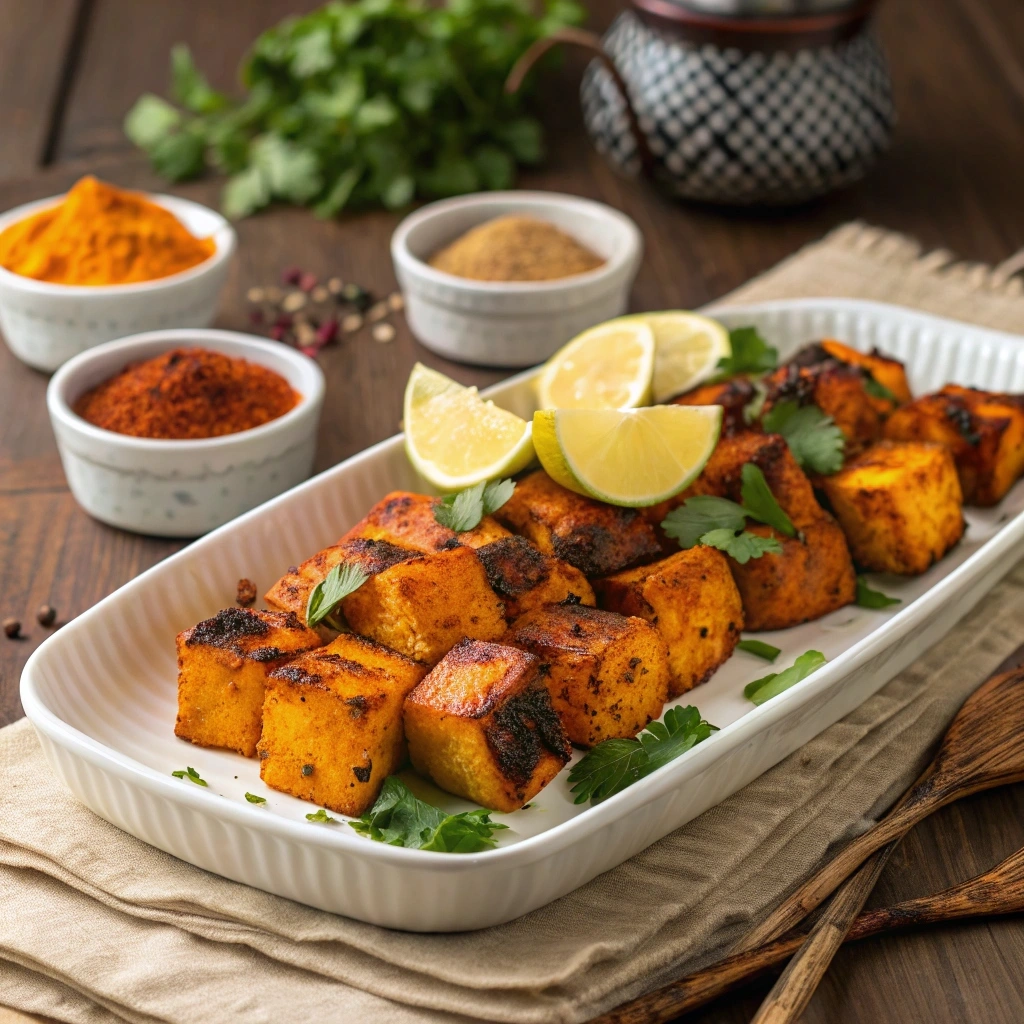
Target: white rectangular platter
102 691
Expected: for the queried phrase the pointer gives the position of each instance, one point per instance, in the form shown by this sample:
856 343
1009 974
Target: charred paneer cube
899 504
223 664
332 723
607 674
481 725
423 606
596 538
407 520
524 578
890 373
983 429
692 599
734 396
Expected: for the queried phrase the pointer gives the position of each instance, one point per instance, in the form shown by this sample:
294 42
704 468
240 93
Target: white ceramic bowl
46 324
182 488
512 323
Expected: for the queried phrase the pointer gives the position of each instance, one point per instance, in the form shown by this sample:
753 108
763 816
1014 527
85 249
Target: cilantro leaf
876 389
741 546
752 410
613 765
150 121
496 493
254 799
700 515
771 685
750 354
325 597
868 598
189 85
759 503
323 817
399 818
813 437
463 511
760 649
191 774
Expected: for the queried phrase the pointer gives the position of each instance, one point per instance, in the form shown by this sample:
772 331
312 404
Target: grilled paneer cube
596 538
734 396
607 674
983 429
408 520
885 370
524 578
481 725
332 723
899 504
422 606
692 600
223 665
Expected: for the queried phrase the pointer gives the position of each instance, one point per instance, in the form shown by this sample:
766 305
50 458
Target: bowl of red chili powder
173 433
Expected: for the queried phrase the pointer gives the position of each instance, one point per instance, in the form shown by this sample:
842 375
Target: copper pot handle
589 41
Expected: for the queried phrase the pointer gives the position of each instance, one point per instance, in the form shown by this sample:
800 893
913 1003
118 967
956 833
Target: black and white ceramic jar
740 110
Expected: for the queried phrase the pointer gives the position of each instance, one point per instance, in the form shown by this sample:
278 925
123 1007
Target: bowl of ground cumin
506 278
173 433
101 262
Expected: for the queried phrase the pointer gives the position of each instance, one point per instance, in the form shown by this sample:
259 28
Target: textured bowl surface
101 692
512 323
183 488
46 324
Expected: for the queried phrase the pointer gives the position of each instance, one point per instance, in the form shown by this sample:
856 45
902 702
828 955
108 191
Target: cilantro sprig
720 523
750 354
191 774
254 799
613 765
325 597
813 437
868 598
322 817
399 818
876 389
771 685
464 510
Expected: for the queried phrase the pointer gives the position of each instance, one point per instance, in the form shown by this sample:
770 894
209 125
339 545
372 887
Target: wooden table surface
69 69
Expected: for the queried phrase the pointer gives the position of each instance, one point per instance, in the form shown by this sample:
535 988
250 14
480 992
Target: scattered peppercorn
47 615
245 592
12 629
307 769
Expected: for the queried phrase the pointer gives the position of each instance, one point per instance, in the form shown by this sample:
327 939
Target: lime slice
629 457
687 349
606 367
454 438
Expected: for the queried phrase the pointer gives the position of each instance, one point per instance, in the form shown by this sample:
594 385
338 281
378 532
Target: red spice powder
188 393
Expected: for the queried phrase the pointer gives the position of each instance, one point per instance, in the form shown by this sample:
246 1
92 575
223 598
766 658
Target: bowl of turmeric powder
506 278
100 263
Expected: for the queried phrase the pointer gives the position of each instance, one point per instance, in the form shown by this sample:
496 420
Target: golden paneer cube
888 372
596 538
408 520
984 430
607 674
811 577
481 725
223 665
332 723
734 396
423 606
692 600
524 578
899 504
291 592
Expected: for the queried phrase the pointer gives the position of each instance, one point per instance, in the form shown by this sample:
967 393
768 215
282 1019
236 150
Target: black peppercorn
307 769
12 628
47 615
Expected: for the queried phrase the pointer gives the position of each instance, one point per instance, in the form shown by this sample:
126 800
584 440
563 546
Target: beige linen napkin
96 926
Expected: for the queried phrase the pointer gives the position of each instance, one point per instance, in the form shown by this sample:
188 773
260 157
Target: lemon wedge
632 457
686 350
606 367
454 438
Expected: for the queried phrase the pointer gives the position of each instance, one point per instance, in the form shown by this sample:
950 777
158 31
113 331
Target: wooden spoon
997 891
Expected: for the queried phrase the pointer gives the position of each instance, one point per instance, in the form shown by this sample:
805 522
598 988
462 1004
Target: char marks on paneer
607 674
332 723
482 726
734 396
223 664
596 538
692 600
899 504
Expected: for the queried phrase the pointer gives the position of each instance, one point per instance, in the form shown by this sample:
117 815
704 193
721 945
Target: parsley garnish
771 685
322 816
868 598
254 799
813 437
760 648
400 818
191 774
325 597
741 546
759 503
876 389
750 354
613 765
464 510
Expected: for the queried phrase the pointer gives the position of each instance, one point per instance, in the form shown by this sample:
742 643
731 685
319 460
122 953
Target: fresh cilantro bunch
359 104
400 818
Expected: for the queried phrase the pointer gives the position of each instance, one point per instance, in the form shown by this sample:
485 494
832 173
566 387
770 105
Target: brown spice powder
515 248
